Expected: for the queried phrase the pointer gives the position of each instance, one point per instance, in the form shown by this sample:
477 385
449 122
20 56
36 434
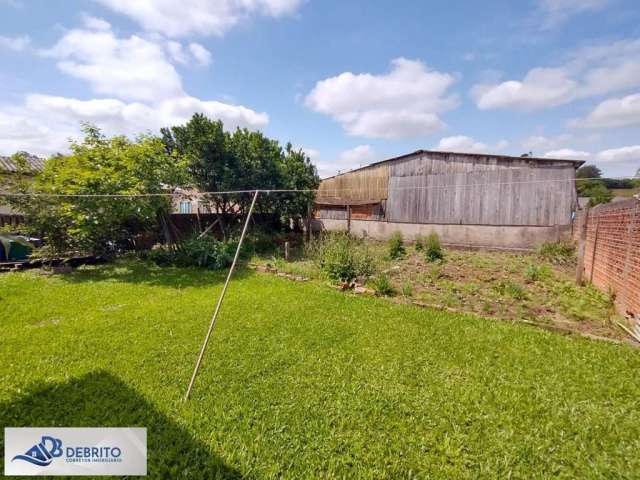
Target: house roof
577 163
36 164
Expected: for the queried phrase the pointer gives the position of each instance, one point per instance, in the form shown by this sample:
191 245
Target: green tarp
14 248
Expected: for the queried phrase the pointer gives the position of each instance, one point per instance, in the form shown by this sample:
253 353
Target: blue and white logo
75 451
43 453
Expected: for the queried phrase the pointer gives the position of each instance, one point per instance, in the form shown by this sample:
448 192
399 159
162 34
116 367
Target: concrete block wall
490 236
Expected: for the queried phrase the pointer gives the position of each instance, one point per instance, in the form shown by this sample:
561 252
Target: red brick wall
612 252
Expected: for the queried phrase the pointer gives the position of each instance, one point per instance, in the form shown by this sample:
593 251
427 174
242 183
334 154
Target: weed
511 289
433 248
343 257
534 273
407 289
558 253
396 246
420 243
382 285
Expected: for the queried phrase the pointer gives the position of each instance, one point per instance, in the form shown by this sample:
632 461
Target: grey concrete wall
490 236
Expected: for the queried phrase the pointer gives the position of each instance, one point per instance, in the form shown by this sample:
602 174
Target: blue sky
350 82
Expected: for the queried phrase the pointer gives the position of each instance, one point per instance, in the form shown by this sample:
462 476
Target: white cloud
357 156
17 44
622 154
615 112
402 103
202 17
95 23
43 123
540 142
556 11
568 153
347 160
193 52
200 53
464 144
177 52
590 71
131 68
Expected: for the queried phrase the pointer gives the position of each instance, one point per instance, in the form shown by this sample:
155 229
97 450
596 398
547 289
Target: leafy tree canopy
242 160
593 186
99 165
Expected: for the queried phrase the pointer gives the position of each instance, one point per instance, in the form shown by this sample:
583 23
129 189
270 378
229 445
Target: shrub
206 252
396 246
382 286
343 257
432 248
558 253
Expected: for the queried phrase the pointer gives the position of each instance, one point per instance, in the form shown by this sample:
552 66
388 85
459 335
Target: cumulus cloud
464 144
346 160
612 113
17 44
132 68
541 142
622 154
44 123
202 17
596 70
557 11
200 53
193 52
402 103
568 153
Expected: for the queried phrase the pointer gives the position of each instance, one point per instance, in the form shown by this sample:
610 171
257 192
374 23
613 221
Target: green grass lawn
301 381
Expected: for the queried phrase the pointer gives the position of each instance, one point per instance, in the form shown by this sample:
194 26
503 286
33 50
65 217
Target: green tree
242 160
100 165
592 185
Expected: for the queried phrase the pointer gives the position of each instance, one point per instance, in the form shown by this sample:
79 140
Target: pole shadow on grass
99 399
147 273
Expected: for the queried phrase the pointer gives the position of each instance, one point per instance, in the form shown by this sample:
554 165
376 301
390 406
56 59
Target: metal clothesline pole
224 290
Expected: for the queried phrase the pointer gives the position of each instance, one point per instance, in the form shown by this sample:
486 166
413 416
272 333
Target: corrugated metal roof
577 163
35 163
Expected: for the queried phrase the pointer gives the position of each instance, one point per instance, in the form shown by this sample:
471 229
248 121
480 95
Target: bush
206 252
382 286
342 257
396 246
558 253
432 248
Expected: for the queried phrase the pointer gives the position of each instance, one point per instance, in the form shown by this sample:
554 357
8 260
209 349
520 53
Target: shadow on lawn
100 399
141 272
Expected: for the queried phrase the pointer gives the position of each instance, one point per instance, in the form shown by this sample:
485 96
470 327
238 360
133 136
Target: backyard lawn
303 381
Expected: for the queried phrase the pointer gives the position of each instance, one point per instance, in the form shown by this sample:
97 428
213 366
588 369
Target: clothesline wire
324 191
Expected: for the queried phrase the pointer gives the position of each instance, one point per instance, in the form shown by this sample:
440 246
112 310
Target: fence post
582 237
286 251
595 246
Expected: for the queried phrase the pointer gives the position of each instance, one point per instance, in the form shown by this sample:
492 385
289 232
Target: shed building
468 199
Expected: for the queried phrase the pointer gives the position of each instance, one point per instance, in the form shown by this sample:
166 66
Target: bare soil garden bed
504 285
